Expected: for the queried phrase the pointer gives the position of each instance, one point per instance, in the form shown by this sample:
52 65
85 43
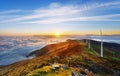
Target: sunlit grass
46 71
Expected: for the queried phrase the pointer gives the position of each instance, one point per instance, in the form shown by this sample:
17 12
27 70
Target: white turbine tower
101 43
89 42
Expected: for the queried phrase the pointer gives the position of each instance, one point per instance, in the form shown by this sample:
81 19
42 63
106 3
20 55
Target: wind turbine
101 43
88 41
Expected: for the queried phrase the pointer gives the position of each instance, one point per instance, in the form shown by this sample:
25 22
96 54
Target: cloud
56 13
54 5
10 11
53 12
91 18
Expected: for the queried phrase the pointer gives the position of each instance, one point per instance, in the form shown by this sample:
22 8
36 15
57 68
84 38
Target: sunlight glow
57 34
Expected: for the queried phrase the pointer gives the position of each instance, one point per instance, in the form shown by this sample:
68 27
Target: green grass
115 58
91 51
40 73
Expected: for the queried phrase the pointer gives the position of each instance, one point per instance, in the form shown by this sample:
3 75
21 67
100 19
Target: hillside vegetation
73 54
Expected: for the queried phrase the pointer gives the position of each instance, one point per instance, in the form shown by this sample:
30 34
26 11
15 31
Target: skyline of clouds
57 13
68 17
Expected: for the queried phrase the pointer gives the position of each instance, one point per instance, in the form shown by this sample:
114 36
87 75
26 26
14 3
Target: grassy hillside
72 53
70 47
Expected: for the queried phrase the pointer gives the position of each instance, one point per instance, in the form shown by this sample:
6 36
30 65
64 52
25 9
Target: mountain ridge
71 52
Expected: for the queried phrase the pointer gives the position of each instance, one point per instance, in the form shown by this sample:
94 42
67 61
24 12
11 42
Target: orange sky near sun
61 33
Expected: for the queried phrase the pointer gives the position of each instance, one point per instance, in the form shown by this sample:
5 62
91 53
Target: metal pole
89 44
101 44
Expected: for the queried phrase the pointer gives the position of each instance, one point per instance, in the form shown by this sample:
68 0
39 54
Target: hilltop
73 53
68 48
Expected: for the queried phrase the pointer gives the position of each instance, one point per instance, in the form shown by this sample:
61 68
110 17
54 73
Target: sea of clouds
13 49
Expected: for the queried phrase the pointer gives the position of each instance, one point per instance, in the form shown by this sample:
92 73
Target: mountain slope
70 47
74 53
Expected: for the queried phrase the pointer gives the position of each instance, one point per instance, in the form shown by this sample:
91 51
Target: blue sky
28 17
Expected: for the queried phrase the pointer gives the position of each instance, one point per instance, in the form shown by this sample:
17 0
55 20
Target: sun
57 34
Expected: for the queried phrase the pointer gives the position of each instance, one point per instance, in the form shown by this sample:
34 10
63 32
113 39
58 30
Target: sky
74 17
